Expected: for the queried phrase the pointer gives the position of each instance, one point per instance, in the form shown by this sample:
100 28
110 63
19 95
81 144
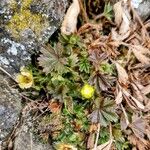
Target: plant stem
97 136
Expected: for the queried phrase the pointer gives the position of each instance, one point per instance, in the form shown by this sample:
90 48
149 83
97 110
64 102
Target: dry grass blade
97 136
90 142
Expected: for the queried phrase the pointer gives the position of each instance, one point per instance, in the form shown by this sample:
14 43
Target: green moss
25 19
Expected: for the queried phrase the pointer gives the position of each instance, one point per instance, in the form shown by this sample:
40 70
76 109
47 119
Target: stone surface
24 26
143 9
10 106
26 141
10 110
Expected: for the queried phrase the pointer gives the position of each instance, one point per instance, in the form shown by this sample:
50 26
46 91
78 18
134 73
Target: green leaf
108 11
52 59
84 65
111 116
73 137
104 113
104 135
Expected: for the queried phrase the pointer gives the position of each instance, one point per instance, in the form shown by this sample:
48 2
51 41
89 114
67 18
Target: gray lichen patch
14 57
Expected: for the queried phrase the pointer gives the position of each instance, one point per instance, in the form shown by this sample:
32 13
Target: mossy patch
25 19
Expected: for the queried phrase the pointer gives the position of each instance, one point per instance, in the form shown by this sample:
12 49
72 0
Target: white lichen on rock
4 60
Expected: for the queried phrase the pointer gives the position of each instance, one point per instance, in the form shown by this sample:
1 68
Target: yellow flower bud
87 91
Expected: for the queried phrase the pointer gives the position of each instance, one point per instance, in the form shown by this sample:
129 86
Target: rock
13 54
24 26
27 139
10 106
143 9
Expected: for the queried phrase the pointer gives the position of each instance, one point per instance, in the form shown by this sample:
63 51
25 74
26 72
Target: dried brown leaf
141 145
122 17
122 74
125 116
123 122
146 90
117 37
133 99
137 92
119 98
125 25
70 21
141 53
118 10
54 106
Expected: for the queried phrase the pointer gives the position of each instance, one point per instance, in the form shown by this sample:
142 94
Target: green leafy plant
104 112
52 59
75 123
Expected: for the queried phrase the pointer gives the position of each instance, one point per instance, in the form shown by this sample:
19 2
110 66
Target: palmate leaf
51 59
101 81
104 113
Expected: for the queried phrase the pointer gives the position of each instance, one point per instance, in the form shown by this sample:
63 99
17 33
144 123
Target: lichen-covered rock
31 21
13 55
24 26
10 106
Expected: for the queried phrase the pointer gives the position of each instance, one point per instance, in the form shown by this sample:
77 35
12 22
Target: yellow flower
87 91
25 78
63 146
